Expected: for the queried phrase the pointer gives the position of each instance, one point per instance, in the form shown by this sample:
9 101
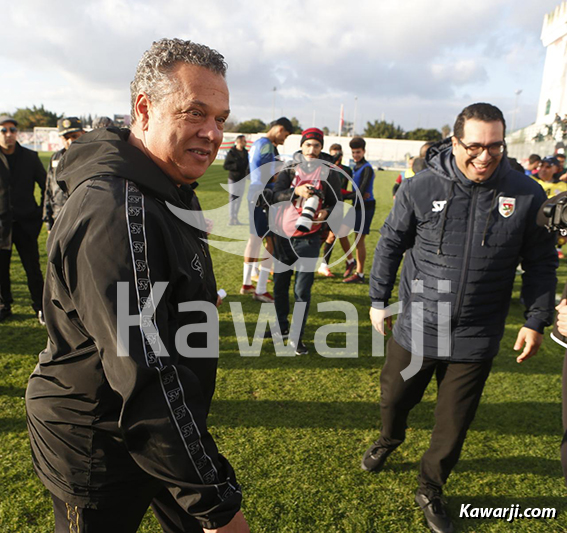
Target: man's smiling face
184 130
477 132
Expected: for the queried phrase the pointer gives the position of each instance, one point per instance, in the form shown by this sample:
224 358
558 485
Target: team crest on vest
506 206
438 205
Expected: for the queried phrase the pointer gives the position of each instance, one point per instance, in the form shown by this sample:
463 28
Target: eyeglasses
475 149
10 129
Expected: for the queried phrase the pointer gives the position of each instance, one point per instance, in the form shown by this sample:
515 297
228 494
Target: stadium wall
386 153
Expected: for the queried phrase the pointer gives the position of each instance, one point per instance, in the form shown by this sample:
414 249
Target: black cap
551 159
285 122
67 125
6 118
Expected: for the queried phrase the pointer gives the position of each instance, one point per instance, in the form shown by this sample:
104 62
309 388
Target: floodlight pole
354 116
517 92
274 104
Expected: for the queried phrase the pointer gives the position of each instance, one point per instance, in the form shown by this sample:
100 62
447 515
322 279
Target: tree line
38 117
379 129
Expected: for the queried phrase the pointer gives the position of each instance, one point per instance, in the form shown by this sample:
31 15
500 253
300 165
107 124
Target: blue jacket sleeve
397 235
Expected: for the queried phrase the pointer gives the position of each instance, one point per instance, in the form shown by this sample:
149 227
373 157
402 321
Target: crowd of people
117 410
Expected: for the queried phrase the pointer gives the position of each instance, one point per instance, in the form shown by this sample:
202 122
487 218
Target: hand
531 341
219 301
377 317
562 317
236 525
366 195
321 215
563 177
304 191
209 224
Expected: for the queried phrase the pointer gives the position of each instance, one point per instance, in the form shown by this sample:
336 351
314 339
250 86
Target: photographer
553 215
307 178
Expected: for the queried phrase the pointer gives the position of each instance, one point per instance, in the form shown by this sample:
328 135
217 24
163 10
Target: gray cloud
407 59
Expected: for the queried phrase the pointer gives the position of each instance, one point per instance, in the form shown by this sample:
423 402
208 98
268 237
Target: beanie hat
312 133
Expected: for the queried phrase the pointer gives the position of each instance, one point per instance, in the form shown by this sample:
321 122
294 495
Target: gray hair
155 66
102 122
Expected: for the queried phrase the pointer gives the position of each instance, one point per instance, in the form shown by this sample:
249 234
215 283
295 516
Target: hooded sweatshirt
106 415
463 242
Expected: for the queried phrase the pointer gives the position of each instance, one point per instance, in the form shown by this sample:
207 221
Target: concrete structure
386 153
553 95
552 106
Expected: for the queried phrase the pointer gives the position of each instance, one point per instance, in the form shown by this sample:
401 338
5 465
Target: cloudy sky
414 62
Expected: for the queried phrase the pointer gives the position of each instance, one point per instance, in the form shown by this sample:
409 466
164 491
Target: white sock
256 268
262 285
247 274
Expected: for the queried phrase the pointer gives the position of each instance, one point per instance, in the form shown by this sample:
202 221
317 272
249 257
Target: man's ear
142 110
454 142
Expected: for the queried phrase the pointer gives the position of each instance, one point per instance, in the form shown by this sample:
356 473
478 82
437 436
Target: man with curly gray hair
117 407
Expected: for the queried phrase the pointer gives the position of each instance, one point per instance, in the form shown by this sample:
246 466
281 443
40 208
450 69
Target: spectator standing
20 215
363 180
293 246
70 129
562 172
532 165
236 162
545 176
336 153
102 122
263 156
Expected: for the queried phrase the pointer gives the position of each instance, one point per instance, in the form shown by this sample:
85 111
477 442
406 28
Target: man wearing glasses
464 225
20 215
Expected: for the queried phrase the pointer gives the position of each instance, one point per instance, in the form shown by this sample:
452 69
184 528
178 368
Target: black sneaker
40 317
277 335
5 312
375 457
300 348
434 511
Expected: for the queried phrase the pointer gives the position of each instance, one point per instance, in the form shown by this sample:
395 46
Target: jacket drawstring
445 216
488 217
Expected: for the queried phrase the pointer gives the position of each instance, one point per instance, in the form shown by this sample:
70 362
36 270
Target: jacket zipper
465 269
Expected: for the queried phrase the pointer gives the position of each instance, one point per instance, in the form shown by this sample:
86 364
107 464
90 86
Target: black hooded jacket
463 242
19 173
103 415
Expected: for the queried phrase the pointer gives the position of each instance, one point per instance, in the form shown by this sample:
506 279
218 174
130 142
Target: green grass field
295 428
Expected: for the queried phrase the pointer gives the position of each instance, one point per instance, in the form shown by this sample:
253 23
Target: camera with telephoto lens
553 214
305 220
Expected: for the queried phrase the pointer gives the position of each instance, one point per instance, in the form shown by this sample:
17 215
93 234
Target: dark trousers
303 253
235 194
564 441
124 517
459 389
25 241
